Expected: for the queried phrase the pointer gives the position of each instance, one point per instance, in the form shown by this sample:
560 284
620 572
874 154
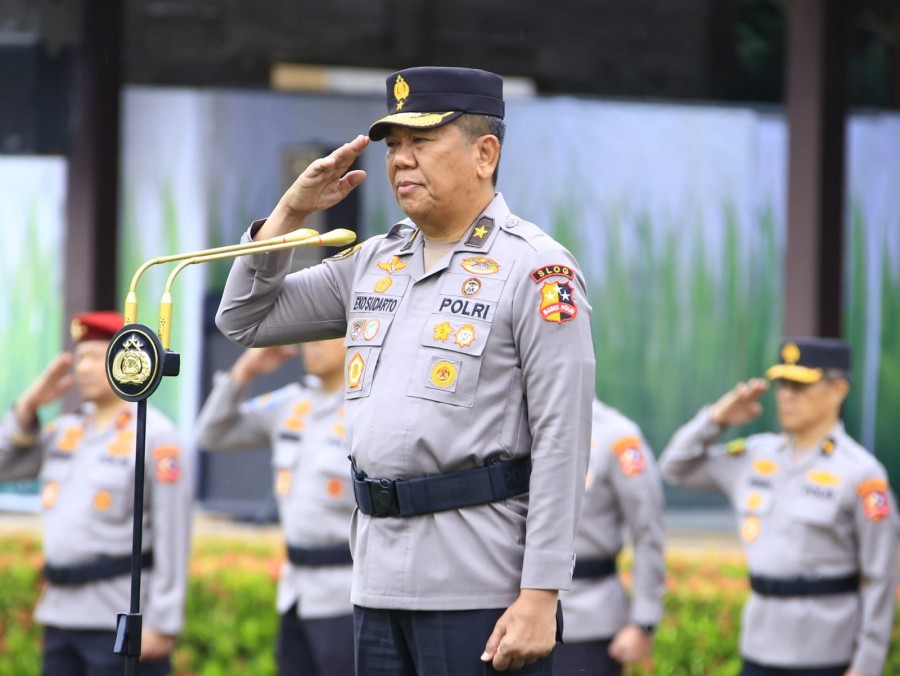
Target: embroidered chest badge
355 369
471 287
465 336
443 373
371 329
557 302
442 331
750 528
283 482
480 265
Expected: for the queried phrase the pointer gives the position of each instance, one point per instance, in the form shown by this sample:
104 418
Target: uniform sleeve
876 523
171 492
264 305
225 424
639 493
21 451
557 361
692 460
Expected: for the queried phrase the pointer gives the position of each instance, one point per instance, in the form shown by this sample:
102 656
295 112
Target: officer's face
434 173
90 370
324 358
802 406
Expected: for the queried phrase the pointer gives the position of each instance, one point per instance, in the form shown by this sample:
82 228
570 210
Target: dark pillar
93 173
816 110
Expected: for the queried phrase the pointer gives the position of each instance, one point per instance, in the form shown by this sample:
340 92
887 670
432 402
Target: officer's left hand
525 633
154 645
853 672
631 644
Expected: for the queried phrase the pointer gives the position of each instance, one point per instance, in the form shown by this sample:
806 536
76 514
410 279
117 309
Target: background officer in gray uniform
603 627
469 365
303 424
85 462
816 517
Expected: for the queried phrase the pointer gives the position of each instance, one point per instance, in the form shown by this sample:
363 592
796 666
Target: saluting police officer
604 629
816 517
303 424
86 466
469 367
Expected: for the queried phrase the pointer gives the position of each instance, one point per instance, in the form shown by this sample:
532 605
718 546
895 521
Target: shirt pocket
819 519
756 498
284 461
111 497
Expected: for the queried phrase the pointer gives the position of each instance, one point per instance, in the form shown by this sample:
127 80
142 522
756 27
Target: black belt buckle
383 493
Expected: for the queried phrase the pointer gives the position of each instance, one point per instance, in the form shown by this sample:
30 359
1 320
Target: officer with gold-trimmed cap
85 462
817 517
469 385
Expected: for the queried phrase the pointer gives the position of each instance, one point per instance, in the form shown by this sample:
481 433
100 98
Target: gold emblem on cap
77 329
132 365
401 91
790 353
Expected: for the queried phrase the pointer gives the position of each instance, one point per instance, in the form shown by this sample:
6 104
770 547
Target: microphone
131 302
338 237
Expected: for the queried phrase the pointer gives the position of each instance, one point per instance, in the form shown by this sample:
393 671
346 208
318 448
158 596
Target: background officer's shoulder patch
630 456
874 496
736 447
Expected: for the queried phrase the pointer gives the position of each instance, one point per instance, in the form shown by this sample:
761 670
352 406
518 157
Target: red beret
101 325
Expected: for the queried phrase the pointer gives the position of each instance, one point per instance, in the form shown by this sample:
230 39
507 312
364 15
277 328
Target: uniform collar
827 446
478 238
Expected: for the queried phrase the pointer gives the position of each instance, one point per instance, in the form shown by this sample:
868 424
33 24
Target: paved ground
686 531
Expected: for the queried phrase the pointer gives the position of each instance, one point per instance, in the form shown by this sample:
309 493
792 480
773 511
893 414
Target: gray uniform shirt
87 496
623 489
488 352
304 426
829 515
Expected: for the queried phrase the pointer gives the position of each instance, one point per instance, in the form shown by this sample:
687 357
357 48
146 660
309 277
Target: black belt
798 586
497 480
103 568
594 569
337 555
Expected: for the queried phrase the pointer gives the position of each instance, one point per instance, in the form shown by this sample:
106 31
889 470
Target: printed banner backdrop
32 207
872 298
676 213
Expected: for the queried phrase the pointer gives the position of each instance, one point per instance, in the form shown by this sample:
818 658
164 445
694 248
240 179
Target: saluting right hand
258 361
324 183
739 405
46 388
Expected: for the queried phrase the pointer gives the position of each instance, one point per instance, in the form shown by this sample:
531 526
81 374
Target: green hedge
231 622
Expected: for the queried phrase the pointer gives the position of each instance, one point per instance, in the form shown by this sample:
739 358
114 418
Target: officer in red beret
85 462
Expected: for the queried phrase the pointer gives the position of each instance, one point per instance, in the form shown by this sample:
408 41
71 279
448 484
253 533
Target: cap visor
379 129
797 374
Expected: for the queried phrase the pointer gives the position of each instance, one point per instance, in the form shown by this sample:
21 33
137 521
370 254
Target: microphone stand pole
136 361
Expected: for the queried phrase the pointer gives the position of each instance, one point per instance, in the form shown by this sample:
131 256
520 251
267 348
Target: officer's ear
487 148
840 385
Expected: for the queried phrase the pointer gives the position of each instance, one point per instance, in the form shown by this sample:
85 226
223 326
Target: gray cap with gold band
805 360
428 96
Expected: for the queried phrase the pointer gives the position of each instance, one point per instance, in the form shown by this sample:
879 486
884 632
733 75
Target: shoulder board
736 447
346 253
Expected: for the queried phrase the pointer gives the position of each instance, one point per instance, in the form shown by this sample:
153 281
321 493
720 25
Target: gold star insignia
480 231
